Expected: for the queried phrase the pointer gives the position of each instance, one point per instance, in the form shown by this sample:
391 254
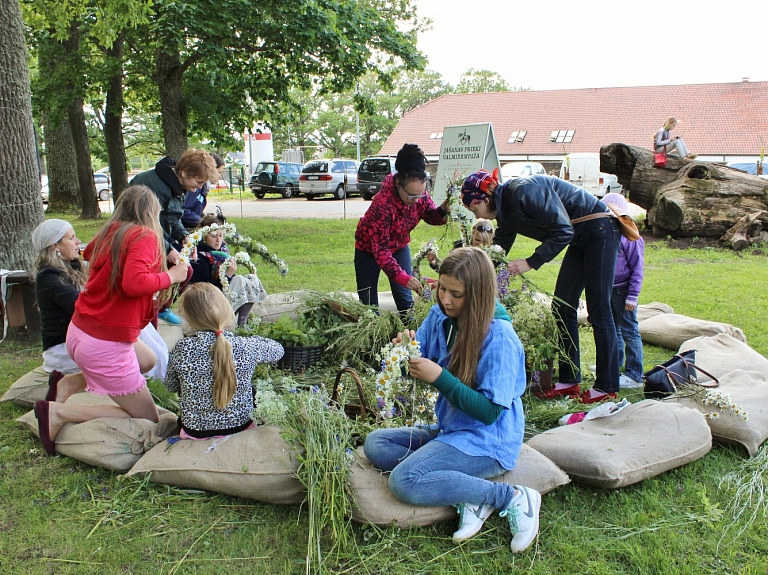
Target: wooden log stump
701 199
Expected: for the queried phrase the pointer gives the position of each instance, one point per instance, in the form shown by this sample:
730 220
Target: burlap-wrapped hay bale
670 330
110 443
375 503
648 310
274 305
252 464
722 353
28 389
641 441
748 390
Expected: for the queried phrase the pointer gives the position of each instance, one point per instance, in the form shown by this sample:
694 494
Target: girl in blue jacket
473 357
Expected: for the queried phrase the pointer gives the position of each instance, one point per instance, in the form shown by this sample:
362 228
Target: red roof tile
717 119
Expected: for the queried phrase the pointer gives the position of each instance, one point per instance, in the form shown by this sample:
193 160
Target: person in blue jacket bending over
560 215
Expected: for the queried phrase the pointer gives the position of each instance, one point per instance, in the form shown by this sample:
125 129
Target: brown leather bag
627 225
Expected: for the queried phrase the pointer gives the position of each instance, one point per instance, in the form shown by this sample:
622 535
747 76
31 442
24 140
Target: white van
584 171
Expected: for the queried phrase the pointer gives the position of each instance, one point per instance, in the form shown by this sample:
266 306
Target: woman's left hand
232 267
445 206
425 369
517 267
401 336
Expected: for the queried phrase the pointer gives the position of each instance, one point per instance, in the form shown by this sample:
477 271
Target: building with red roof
720 122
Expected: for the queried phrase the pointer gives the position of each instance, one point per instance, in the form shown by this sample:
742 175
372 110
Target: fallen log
748 230
701 199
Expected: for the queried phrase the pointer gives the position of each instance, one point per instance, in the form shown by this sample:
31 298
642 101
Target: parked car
320 177
100 179
583 169
372 172
748 167
514 170
275 178
103 185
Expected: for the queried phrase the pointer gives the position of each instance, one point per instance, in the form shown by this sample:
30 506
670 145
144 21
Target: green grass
60 516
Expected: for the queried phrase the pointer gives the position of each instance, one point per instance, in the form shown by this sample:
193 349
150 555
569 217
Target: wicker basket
299 359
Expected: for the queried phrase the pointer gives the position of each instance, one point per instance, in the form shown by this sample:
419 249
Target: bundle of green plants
293 333
324 439
355 331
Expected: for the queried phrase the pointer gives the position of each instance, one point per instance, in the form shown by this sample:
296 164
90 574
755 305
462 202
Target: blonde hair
472 267
48 258
670 123
136 206
485 238
197 164
205 308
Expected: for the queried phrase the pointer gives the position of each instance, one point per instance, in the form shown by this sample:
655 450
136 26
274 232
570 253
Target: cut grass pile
60 516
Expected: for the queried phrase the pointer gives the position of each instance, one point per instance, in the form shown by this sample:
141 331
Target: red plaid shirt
386 227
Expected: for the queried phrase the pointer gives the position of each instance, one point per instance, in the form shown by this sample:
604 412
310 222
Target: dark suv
372 172
275 178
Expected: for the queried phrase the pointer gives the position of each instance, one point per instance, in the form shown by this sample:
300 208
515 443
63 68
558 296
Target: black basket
299 359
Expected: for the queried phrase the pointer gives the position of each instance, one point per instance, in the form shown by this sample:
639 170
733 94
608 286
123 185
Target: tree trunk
76 117
113 121
694 199
169 75
20 202
63 188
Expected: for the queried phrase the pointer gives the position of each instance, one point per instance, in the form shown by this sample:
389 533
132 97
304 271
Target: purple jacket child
630 260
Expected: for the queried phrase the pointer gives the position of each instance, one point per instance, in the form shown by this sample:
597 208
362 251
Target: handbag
660 159
672 375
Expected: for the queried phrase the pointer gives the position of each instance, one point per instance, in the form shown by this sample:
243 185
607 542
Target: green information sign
465 149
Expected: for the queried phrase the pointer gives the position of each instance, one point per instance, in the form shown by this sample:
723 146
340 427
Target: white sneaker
626 382
523 517
471 519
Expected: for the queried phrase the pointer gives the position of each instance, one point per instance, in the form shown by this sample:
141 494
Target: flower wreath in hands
241 257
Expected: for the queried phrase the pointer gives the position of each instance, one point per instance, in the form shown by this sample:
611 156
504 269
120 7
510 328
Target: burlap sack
28 389
648 310
721 354
274 305
110 443
749 391
641 441
670 330
170 333
253 464
375 503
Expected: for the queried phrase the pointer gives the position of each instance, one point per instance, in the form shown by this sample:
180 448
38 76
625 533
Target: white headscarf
49 232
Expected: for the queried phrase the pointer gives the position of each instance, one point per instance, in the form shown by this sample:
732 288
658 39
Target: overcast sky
557 44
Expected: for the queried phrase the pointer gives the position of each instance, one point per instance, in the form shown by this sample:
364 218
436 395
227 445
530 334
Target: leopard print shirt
190 374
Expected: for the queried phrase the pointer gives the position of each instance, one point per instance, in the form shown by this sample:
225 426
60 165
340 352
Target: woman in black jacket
544 208
61 276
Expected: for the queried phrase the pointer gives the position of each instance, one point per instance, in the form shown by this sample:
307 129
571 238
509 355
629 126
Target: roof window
436 136
562 136
517 137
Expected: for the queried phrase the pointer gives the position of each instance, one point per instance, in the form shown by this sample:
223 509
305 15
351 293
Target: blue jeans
588 266
627 335
367 275
433 473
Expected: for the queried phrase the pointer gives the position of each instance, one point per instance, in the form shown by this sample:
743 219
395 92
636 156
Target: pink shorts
109 367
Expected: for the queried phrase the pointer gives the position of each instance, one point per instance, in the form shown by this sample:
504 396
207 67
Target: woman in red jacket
128 270
383 233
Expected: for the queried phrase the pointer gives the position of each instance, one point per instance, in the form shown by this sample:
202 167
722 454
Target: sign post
464 149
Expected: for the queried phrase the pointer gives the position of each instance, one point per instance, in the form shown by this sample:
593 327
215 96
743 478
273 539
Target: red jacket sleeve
141 275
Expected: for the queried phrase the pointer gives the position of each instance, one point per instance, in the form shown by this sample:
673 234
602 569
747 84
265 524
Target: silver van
320 177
